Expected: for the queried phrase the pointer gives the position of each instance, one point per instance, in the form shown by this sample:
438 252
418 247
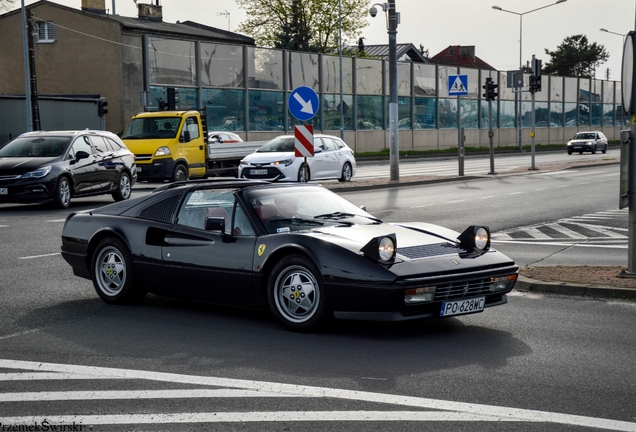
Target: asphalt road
541 362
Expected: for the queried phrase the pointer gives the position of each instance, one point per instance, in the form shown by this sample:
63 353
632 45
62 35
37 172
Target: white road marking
39 256
453 411
37 376
489 196
244 417
56 220
515 193
133 394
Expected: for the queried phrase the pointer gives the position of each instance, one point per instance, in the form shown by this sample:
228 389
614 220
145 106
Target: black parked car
57 166
301 250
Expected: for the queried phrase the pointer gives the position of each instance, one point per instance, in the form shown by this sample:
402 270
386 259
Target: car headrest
266 211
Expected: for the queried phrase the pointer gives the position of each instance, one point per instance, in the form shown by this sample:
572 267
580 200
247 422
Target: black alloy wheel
124 189
62 197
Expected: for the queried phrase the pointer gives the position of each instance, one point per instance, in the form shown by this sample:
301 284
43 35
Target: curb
525 284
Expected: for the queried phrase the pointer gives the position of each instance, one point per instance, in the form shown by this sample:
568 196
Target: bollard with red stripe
304 141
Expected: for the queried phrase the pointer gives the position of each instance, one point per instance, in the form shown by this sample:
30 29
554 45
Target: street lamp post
521 14
392 23
27 73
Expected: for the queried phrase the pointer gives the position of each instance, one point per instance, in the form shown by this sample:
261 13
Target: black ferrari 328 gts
301 250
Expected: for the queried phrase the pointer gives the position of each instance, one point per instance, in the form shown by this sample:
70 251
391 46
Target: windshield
152 127
296 208
278 144
582 136
35 146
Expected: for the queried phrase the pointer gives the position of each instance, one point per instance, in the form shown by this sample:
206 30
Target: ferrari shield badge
261 249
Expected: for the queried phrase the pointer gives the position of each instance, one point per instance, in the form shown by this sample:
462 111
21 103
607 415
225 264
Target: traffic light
101 107
173 100
490 88
535 78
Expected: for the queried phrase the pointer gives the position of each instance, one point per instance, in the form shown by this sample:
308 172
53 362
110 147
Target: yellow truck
173 145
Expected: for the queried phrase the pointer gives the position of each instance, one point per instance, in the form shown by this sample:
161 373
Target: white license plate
461 307
4 191
258 171
138 168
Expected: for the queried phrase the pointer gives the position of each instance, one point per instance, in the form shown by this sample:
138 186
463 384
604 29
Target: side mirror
215 224
81 155
186 136
317 150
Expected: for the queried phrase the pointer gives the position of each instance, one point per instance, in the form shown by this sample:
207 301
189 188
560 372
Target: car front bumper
386 303
27 191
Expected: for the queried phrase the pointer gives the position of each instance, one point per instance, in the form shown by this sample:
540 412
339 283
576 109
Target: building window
44 32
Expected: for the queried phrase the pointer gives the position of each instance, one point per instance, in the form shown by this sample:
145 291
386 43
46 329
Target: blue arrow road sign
457 85
303 103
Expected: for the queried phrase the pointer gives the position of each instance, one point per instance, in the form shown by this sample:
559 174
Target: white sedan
276 160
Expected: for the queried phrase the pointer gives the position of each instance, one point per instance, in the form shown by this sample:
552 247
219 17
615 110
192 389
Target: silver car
588 141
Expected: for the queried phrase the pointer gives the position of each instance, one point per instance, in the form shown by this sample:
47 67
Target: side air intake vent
161 211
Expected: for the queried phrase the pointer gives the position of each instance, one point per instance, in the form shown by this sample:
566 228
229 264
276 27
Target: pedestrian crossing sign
457 85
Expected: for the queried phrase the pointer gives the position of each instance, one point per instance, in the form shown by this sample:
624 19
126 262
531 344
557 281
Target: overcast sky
437 24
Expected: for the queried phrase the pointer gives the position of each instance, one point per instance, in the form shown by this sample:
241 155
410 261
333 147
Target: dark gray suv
588 141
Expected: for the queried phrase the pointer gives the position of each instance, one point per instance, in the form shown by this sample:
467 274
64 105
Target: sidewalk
583 280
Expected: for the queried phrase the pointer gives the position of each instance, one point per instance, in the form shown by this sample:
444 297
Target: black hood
23 165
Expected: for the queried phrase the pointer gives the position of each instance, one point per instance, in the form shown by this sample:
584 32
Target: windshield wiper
296 220
334 215
340 215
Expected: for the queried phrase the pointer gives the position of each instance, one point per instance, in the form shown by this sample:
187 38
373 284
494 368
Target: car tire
347 173
605 149
569 152
295 294
594 149
303 173
113 274
180 173
62 197
123 188
580 151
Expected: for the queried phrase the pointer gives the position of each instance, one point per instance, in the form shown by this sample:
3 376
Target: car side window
99 144
81 144
329 144
113 144
319 144
192 126
202 204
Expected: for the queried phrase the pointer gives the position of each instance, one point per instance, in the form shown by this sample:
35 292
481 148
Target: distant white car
223 138
276 161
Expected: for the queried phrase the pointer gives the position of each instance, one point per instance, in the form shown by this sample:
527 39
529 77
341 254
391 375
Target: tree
295 34
6 5
575 57
424 51
302 24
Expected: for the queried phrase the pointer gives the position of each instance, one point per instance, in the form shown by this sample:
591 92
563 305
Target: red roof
457 55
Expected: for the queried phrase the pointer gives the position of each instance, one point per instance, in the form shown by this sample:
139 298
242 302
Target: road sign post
628 85
303 104
458 86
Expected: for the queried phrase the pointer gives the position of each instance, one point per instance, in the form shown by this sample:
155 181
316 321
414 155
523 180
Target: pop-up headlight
475 238
381 249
